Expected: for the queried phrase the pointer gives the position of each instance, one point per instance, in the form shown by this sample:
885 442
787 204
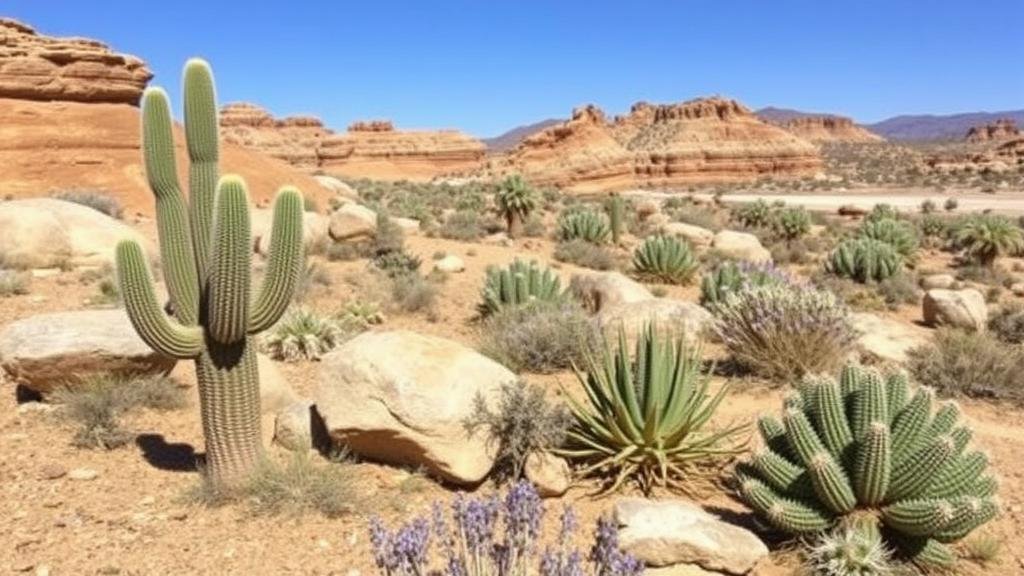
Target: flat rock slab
48 351
670 532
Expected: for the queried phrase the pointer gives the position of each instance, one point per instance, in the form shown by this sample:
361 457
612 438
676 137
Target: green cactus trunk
206 252
616 217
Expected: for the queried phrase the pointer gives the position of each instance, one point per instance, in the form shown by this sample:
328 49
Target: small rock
600 290
944 281
450 263
293 427
52 471
35 408
83 474
42 570
549 473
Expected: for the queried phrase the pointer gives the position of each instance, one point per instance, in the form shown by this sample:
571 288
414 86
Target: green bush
784 331
756 214
864 260
517 284
870 453
792 223
583 225
970 364
665 259
731 276
585 254
882 212
898 290
985 237
646 418
539 337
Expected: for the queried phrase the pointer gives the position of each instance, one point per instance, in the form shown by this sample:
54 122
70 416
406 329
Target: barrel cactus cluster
864 260
871 453
206 248
899 234
517 284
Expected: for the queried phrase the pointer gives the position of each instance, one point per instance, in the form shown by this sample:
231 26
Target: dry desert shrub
99 201
977 364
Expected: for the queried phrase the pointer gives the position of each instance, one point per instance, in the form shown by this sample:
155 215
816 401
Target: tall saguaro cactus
205 248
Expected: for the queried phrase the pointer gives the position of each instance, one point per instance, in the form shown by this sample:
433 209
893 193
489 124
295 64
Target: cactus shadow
169 456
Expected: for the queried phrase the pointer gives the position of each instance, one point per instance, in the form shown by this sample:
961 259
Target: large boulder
887 339
697 237
402 397
314 229
675 316
45 232
670 532
353 222
958 308
600 290
48 351
740 246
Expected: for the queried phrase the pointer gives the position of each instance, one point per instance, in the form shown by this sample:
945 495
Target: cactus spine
206 250
857 452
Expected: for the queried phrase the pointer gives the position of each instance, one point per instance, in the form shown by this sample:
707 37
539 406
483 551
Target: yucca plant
792 223
516 200
864 260
985 237
517 284
303 335
647 417
665 259
731 276
899 234
584 225
871 452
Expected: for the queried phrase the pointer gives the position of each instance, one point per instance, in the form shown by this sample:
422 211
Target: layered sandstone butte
1003 129
830 129
46 147
36 67
700 141
368 149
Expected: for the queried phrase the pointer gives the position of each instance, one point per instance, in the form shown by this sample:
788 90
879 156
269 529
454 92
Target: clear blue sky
485 66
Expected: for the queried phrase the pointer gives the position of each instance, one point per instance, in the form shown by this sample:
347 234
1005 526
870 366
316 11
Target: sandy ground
133 520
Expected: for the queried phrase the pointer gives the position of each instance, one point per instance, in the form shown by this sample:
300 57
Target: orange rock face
830 129
703 140
369 149
46 147
36 67
1004 129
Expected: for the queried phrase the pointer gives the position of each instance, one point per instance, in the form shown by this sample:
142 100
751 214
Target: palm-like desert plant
871 451
584 225
516 200
647 417
517 284
985 237
665 259
864 260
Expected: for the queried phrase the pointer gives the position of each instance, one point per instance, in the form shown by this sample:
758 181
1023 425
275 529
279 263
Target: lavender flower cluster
474 546
785 331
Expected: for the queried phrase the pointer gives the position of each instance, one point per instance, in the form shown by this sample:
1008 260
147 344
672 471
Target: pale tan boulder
958 308
600 290
740 246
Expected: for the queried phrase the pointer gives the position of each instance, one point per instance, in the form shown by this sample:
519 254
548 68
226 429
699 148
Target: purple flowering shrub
785 331
495 536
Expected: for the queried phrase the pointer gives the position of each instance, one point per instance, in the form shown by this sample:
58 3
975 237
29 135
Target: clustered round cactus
871 451
517 284
864 260
665 259
896 233
783 331
731 276
584 225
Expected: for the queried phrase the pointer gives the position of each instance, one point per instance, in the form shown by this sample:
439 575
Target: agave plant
985 237
896 233
303 335
665 259
871 452
518 284
730 277
647 417
516 200
864 260
584 225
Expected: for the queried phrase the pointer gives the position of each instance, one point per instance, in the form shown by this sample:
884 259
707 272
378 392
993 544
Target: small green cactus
864 260
616 208
857 450
206 248
792 223
665 259
516 200
518 284
584 225
731 276
756 214
899 234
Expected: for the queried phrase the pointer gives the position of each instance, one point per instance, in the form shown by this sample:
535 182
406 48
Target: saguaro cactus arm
176 252
155 328
229 282
285 263
203 153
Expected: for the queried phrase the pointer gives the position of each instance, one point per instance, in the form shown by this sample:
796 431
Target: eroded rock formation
371 149
830 129
1003 129
37 67
703 140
